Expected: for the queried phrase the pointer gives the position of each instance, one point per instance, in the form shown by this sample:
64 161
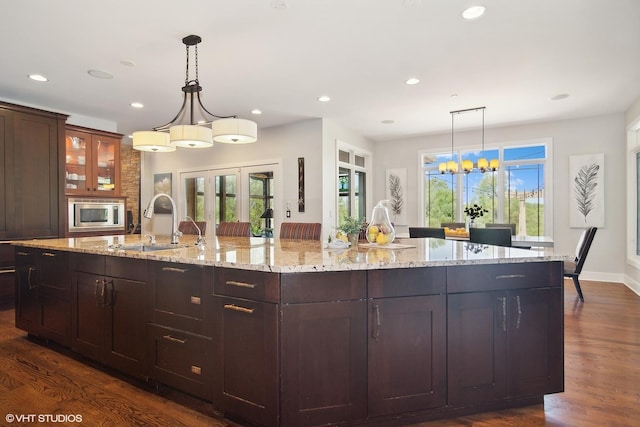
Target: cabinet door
54 295
34 188
246 359
27 312
6 137
78 171
407 354
106 164
324 362
126 325
536 346
477 347
89 294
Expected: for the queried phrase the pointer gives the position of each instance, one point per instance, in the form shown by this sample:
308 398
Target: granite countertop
289 256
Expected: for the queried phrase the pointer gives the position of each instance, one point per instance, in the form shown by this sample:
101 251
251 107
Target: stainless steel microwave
96 215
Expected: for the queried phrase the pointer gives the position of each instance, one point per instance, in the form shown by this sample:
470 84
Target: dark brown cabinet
179 339
92 162
245 350
7 273
109 311
43 303
324 348
30 187
505 343
407 340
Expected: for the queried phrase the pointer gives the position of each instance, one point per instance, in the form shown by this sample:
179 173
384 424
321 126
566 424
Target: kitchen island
290 333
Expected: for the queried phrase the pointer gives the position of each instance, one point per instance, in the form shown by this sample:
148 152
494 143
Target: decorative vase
380 230
353 239
472 224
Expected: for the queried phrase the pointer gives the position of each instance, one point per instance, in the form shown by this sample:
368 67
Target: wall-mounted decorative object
300 184
586 204
396 184
162 184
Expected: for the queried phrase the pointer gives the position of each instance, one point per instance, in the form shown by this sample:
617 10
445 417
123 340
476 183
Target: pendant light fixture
193 126
483 164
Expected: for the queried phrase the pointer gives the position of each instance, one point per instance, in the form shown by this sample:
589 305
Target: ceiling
279 56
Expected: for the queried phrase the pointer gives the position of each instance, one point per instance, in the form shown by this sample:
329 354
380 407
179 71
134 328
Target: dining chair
490 236
437 232
453 225
187 227
234 229
573 268
300 230
498 225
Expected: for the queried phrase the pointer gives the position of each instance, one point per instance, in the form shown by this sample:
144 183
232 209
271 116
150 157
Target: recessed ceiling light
473 12
412 81
559 96
388 122
324 98
128 63
99 74
256 112
38 77
137 104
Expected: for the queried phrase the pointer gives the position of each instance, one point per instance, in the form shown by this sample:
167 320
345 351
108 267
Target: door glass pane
195 198
344 193
260 200
105 156
77 170
480 189
360 194
226 198
524 198
440 198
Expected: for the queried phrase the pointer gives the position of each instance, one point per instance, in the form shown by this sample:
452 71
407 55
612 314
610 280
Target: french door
245 194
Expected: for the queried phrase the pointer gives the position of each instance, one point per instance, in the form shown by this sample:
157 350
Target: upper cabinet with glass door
92 162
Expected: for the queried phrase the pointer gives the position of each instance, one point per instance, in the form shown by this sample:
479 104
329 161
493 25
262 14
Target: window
512 194
353 168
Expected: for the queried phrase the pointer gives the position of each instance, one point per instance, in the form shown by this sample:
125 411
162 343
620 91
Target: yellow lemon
381 239
373 229
342 237
372 238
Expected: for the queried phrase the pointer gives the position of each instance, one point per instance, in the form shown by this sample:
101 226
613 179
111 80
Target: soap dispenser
380 230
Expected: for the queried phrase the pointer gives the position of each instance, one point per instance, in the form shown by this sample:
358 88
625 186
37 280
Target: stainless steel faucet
148 213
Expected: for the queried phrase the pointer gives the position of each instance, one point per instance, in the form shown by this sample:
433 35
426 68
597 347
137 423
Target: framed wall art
586 180
162 184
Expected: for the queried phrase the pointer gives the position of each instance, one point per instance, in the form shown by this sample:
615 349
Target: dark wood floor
602 377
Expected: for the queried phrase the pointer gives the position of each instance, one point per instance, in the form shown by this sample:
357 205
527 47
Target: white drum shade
191 136
153 141
234 131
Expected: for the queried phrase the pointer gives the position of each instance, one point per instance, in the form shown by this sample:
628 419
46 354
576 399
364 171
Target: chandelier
193 126
482 165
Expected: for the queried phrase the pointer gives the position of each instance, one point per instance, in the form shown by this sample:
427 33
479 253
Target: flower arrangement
475 211
351 225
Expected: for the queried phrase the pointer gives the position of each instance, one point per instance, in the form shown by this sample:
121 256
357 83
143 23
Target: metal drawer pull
504 312
519 312
511 276
7 271
23 253
196 370
174 339
48 254
238 308
175 270
240 284
195 300
376 331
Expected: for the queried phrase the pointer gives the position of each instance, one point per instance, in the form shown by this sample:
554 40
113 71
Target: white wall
602 134
283 144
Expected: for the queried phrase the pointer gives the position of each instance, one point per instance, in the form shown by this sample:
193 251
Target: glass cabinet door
104 154
77 170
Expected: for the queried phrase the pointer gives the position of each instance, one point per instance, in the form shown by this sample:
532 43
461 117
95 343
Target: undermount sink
146 247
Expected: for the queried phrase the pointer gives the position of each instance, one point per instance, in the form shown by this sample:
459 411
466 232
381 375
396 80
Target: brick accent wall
130 178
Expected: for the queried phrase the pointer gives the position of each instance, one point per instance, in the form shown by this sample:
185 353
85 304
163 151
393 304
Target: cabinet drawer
472 278
7 257
126 268
7 283
324 287
255 285
180 359
179 297
406 282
